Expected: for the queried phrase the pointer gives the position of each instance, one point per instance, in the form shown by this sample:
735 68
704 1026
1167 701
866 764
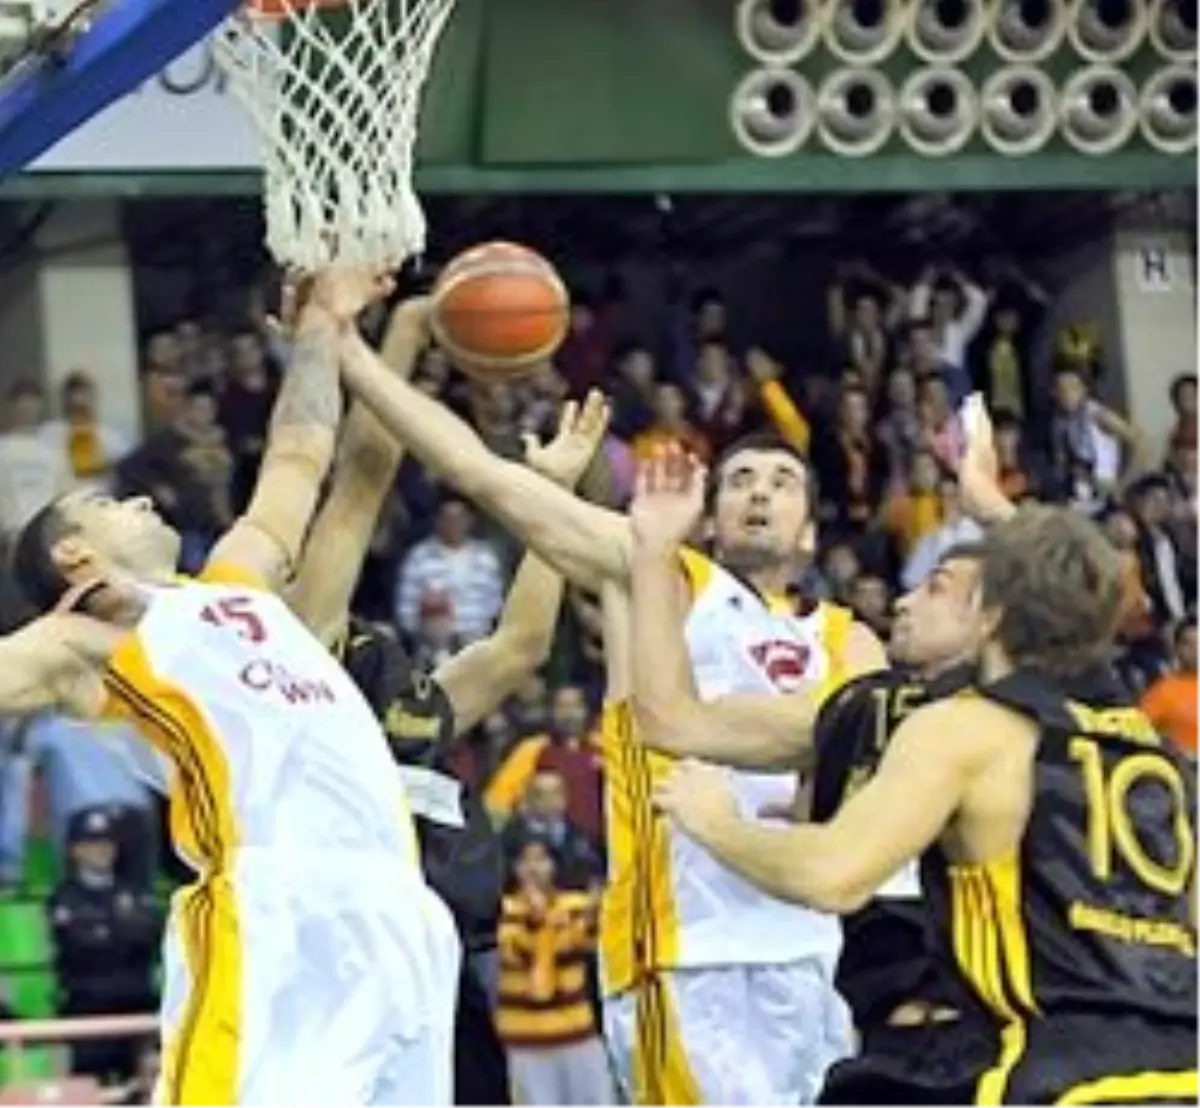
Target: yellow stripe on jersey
202 1057
697 569
835 634
226 573
1137 1088
992 951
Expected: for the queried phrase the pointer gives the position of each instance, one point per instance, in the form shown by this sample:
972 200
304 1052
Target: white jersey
269 741
670 902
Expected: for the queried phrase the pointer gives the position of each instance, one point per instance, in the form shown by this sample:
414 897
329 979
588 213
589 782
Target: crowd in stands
879 418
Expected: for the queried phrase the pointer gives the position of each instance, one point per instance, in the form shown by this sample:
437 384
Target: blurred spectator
185 467
435 640
452 564
955 528
900 431
1018 307
568 749
862 309
720 396
671 427
92 448
585 355
953 308
33 469
530 711
544 1015
83 768
1018 477
1183 400
543 815
1161 564
871 601
1086 442
851 466
632 391
1171 702
914 509
841 567
246 402
106 934
941 427
786 418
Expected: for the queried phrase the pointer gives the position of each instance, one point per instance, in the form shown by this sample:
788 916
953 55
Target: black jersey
464 865
1081 947
885 958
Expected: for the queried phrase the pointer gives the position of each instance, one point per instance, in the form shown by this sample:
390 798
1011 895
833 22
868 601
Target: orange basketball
499 309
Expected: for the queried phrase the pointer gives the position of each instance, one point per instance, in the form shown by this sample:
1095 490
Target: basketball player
309 963
421 713
680 945
1060 838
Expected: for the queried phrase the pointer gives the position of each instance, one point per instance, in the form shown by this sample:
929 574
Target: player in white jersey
762 527
309 963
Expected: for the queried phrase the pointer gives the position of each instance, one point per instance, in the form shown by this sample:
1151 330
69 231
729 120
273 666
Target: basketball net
333 88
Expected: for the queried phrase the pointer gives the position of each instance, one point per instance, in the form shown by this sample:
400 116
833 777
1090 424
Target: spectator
93 448
436 639
942 429
899 431
1017 477
786 418
245 409
841 567
543 815
720 396
186 469
633 391
1183 400
955 528
530 713
33 470
871 602
914 511
850 464
671 427
544 1015
452 564
106 934
84 767
569 749
1170 703
953 308
1160 561
1018 307
859 322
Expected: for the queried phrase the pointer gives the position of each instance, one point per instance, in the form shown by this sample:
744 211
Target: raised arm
837 866
748 731
584 543
364 473
55 662
481 677
265 543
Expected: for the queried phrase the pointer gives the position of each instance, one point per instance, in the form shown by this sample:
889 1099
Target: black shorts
934 1063
1094 1058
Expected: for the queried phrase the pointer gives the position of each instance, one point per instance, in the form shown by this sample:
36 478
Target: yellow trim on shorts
201 1059
1135 1088
661 1071
992 950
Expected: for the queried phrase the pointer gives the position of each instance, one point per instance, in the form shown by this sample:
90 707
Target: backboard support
127 42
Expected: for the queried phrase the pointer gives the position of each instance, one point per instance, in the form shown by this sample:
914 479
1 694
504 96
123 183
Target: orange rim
282 9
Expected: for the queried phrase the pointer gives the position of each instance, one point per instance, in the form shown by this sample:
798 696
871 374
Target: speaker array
934 74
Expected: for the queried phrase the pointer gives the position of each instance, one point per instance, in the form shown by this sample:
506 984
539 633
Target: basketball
499 310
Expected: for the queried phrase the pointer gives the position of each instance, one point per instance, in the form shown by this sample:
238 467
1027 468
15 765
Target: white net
334 92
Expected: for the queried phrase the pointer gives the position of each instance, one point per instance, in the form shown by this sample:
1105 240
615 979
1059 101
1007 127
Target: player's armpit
585 543
55 662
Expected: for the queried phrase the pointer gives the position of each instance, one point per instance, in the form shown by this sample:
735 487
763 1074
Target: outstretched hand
567 456
669 500
979 468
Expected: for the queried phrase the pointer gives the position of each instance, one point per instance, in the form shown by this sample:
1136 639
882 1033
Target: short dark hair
1058 584
762 442
964 551
1179 383
40 580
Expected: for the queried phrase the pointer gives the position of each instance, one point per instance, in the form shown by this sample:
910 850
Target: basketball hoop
333 88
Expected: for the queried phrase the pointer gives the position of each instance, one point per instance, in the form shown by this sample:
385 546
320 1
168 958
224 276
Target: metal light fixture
1106 31
1027 30
1172 29
1098 109
772 112
778 32
1167 109
942 32
862 32
856 111
1017 110
939 110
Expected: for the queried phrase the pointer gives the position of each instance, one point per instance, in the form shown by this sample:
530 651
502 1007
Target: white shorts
309 977
728 1034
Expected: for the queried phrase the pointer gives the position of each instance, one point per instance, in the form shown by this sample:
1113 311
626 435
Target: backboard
84 60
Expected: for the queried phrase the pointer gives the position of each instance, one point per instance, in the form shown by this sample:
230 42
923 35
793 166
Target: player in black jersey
459 851
1061 881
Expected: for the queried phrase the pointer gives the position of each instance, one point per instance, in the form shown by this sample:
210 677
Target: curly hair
1056 581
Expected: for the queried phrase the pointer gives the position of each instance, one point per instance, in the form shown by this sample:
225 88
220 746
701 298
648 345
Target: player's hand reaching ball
345 291
668 502
581 430
697 796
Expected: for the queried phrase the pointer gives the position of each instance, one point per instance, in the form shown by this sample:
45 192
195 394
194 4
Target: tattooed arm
263 546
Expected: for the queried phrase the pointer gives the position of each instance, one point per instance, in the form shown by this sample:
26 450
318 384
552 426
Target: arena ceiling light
772 112
862 32
1027 30
1106 31
1098 109
1018 110
942 32
856 111
778 32
1167 109
939 110
1172 29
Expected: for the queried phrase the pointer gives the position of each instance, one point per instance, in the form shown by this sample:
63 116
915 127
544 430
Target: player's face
939 621
124 535
761 513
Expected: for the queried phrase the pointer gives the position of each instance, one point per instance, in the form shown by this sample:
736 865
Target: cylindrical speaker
862 32
1017 109
772 112
939 110
778 32
856 111
1172 29
1106 31
1167 110
1098 109
942 32
1027 30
